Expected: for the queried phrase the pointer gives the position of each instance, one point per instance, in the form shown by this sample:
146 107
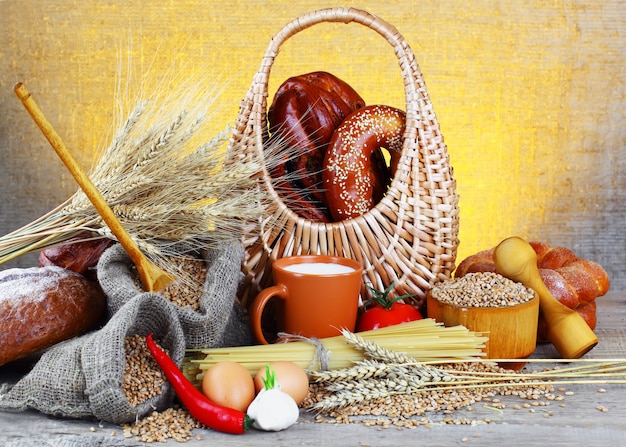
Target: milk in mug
319 268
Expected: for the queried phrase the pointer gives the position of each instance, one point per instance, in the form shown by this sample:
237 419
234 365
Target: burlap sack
219 322
82 378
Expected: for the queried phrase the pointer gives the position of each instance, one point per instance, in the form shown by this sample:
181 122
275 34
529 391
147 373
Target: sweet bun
575 282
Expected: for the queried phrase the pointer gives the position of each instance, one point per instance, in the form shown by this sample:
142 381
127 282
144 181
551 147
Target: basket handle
422 129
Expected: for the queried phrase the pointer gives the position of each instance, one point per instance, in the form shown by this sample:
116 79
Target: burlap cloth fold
82 377
219 322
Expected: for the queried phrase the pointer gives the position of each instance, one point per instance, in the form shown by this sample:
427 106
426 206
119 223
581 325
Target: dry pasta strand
424 340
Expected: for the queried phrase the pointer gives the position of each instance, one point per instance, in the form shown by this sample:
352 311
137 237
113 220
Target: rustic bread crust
42 306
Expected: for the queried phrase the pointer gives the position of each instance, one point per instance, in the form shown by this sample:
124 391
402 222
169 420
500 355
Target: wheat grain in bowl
505 311
482 289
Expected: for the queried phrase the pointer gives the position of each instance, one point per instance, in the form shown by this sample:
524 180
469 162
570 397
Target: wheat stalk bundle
385 372
407 362
164 179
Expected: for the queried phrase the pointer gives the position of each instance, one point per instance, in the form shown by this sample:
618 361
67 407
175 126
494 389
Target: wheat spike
164 176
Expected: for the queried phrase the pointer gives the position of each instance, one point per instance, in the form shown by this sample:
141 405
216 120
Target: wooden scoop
568 332
152 277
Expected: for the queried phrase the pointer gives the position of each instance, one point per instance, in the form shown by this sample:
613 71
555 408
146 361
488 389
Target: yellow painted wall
529 96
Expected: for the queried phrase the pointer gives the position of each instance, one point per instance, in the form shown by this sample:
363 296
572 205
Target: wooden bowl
512 330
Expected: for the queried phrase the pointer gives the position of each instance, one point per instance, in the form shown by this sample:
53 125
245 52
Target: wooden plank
576 420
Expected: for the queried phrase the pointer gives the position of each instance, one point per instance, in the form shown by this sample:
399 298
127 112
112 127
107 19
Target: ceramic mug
319 295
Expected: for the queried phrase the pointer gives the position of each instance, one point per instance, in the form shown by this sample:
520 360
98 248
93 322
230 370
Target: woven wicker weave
410 237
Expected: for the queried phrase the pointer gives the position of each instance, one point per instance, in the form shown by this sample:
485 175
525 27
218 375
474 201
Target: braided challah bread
303 116
574 281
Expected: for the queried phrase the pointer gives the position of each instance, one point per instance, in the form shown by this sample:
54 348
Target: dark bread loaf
302 118
42 306
78 255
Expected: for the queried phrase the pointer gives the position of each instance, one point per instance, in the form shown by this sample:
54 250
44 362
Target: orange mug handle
256 311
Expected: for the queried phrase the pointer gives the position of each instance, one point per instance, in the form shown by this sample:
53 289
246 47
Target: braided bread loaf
302 118
574 281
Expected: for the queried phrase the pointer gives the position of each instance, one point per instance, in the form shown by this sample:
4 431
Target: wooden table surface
594 415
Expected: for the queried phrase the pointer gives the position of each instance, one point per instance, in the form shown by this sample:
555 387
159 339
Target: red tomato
385 311
377 317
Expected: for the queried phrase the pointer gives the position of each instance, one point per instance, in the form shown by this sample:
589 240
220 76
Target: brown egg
229 384
292 379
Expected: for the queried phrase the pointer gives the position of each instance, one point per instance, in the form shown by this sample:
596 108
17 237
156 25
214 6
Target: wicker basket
410 237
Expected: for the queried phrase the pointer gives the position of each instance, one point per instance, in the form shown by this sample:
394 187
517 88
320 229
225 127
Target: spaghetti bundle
424 340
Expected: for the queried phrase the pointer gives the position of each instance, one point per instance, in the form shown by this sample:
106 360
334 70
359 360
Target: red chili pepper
385 311
217 417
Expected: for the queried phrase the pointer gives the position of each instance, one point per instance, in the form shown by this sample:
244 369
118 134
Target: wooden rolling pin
567 331
152 277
